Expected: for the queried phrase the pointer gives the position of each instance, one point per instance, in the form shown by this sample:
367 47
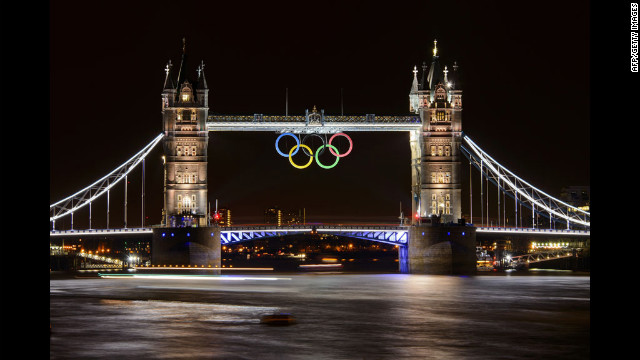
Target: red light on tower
417 215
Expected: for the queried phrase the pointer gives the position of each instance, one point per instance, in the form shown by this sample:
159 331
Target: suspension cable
522 190
85 196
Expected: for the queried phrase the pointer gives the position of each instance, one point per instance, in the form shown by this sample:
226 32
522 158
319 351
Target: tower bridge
437 146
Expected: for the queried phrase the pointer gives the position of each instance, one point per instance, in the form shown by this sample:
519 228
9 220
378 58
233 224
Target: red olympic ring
350 145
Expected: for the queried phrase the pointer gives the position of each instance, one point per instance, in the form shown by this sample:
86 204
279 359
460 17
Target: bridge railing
532 230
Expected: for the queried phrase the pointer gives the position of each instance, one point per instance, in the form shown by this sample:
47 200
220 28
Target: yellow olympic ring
310 157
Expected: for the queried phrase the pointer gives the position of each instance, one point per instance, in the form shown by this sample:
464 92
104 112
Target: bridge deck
322 229
326 124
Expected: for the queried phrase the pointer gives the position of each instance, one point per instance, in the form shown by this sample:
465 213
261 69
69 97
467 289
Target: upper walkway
312 122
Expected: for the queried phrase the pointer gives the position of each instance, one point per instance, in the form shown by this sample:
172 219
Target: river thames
339 316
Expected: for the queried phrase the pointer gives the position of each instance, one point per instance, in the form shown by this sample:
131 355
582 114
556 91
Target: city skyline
525 95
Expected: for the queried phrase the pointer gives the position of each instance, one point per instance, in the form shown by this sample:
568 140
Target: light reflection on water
339 317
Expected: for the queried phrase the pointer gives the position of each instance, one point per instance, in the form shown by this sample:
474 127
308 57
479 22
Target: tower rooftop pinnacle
202 81
168 83
435 73
414 86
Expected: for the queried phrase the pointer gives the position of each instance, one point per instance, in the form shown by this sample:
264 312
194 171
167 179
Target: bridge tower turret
185 107
435 149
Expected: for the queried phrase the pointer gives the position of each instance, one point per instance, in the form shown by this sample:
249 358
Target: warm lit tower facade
185 107
435 150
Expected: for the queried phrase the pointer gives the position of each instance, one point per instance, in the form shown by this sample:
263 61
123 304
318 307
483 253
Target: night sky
525 78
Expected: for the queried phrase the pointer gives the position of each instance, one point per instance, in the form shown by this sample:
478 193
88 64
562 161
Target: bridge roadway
389 234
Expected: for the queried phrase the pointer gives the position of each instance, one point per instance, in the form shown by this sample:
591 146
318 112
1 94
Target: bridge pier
189 246
439 249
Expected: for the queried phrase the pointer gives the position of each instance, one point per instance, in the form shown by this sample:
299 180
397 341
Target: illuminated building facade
185 107
223 217
273 216
435 150
578 196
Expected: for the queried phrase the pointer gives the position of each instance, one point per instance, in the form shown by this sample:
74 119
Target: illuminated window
179 150
433 178
179 116
447 178
434 207
186 92
440 150
193 151
433 150
447 150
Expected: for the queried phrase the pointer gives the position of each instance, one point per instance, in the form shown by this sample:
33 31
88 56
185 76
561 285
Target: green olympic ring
337 157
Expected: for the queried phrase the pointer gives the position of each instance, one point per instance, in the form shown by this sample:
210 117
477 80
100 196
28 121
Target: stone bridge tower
185 107
435 150
185 237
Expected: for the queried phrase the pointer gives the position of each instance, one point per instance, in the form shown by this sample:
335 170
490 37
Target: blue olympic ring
293 136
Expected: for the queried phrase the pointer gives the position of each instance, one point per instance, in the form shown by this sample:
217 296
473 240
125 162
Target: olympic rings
324 141
325 166
307 150
297 147
293 136
350 145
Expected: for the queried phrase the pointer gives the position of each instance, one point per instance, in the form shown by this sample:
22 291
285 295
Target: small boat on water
278 319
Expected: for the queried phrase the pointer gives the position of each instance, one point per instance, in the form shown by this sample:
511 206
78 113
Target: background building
223 217
273 216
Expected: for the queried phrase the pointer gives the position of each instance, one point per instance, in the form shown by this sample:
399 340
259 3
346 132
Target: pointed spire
168 83
435 74
202 81
182 70
423 78
414 86
445 71
455 77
